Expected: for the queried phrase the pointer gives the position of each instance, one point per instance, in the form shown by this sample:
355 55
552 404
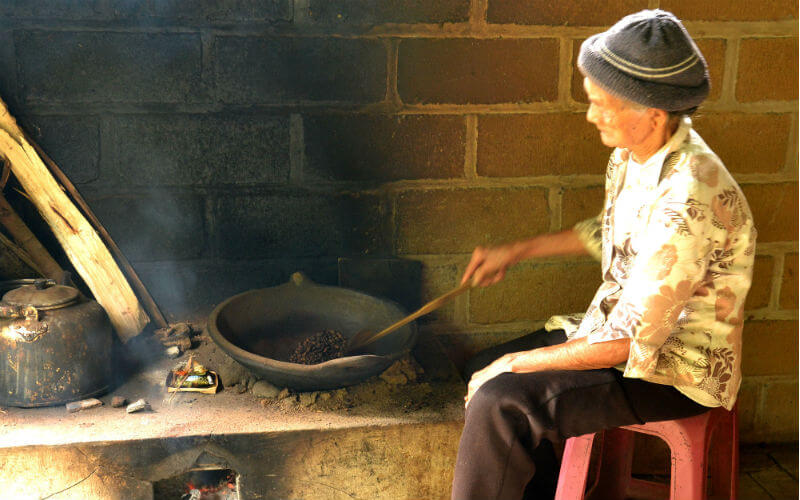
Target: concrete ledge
373 451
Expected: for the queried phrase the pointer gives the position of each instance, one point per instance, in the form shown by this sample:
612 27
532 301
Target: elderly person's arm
577 354
488 265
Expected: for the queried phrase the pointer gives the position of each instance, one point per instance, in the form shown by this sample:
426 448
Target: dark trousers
511 422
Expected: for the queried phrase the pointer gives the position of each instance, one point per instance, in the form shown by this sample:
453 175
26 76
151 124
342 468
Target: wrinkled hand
488 265
500 365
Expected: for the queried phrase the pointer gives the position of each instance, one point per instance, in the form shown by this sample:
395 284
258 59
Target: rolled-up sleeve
672 261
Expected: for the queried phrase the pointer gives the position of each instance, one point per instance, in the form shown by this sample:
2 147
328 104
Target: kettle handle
14 312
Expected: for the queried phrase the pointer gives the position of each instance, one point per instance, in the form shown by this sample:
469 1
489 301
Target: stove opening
199 484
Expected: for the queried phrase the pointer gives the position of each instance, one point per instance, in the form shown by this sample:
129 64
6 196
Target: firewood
138 287
20 254
44 262
80 241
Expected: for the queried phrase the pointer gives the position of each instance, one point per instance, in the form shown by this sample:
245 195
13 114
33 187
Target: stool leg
614 474
574 468
735 455
689 464
724 459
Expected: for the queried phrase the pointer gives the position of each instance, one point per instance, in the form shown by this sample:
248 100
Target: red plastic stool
688 441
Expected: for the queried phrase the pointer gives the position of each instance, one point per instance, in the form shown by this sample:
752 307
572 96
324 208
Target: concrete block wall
227 144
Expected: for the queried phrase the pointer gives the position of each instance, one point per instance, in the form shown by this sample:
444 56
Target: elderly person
662 337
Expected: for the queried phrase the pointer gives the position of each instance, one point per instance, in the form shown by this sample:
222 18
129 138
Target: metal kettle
55 346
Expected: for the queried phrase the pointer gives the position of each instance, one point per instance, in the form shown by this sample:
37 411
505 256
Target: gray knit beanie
648 58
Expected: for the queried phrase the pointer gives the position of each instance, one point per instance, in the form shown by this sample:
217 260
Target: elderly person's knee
503 393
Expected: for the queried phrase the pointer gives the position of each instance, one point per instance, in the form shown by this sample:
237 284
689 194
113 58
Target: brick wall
227 144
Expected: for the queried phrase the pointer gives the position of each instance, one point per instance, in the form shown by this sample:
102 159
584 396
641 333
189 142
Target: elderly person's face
621 124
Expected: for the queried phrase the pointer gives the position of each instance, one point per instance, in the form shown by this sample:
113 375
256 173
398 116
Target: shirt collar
649 172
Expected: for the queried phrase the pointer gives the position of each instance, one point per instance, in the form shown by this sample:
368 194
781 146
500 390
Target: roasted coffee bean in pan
319 347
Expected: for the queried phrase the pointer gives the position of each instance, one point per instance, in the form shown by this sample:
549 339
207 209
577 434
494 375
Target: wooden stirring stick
365 337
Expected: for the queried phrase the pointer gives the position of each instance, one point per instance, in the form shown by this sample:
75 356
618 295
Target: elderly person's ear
658 117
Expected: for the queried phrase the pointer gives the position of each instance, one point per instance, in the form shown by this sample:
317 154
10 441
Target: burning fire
225 489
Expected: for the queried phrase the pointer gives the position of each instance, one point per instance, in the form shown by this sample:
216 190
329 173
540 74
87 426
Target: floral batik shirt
677 242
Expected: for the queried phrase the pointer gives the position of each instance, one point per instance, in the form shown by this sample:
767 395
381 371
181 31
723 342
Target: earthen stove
392 437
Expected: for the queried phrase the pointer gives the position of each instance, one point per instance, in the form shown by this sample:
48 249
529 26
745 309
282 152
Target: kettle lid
42 295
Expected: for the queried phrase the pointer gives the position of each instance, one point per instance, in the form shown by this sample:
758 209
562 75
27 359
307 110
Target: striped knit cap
648 58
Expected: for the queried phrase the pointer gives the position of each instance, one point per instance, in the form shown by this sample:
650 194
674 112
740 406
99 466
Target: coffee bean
319 347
